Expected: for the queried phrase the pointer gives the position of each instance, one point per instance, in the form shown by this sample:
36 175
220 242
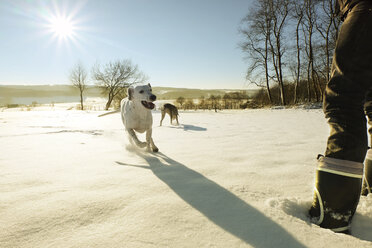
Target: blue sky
188 43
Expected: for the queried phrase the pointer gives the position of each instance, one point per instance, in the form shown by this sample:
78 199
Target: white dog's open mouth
148 105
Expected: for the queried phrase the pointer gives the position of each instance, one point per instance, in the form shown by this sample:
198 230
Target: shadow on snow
187 127
218 204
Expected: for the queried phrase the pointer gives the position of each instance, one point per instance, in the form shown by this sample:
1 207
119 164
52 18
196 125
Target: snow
69 178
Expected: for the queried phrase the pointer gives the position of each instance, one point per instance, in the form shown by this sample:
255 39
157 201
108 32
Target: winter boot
367 180
336 193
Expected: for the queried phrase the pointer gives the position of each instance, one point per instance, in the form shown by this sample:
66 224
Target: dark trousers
348 95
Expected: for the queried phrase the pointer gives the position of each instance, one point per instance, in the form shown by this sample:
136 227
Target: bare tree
214 102
78 78
116 76
227 100
257 33
280 13
180 100
312 44
202 102
264 41
327 25
189 104
297 15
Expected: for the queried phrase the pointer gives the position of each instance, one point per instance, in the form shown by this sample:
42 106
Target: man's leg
339 174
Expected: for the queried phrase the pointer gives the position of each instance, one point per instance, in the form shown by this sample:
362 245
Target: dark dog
171 110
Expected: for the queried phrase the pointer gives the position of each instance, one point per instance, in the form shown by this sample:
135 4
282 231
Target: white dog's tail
109 113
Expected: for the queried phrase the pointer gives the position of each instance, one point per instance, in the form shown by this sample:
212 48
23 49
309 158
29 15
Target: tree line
289 45
230 100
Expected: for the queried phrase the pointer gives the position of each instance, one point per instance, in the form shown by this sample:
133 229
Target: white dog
136 114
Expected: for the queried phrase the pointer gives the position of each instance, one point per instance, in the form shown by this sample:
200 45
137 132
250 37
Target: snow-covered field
227 179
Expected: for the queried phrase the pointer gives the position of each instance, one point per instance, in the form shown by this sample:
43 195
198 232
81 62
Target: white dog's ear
149 85
130 93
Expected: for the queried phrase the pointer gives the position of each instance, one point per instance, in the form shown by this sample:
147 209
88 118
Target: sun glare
62 27
60 23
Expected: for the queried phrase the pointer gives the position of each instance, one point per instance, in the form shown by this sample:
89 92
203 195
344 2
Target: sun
62 27
62 24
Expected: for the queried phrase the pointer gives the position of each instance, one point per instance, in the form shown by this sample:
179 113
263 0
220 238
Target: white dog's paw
152 149
142 144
